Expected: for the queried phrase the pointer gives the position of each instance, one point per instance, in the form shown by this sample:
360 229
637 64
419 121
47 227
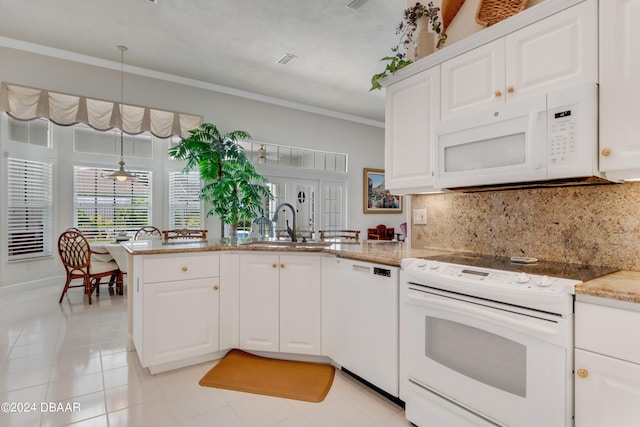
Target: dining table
115 252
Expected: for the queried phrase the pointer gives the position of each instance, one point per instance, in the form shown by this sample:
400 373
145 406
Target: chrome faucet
292 233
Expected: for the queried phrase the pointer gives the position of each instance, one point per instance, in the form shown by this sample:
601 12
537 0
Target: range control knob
421 263
544 282
523 277
434 265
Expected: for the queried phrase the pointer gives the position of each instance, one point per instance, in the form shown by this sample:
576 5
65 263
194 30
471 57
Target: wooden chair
381 232
184 234
75 253
340 234
148 233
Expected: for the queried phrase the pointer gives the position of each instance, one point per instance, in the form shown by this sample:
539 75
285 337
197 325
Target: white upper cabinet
619 88
554 52
474 80
412 107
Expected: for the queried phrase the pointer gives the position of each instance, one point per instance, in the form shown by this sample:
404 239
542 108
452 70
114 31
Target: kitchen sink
286 244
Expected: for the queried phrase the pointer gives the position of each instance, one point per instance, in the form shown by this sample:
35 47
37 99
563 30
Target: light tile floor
67 363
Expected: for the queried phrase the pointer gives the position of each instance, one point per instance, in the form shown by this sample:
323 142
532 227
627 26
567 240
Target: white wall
266 122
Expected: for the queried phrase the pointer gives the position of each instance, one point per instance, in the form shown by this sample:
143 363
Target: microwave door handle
469 310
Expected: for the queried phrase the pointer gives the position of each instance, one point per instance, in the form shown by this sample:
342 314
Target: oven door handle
469 310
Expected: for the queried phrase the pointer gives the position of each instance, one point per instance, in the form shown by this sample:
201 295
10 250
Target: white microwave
553 136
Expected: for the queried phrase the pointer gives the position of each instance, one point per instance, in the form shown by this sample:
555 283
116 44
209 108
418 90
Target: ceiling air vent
357 4
286 58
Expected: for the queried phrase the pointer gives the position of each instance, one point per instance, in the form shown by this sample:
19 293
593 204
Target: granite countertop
388 253
623 285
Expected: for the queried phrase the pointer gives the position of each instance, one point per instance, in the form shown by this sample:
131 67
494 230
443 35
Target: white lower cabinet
607 366
609 394
300 304
280 303
176 307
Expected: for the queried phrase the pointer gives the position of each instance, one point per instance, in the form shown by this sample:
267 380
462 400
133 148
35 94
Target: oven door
485 362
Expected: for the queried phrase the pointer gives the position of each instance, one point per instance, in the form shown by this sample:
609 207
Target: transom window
34 132
89 140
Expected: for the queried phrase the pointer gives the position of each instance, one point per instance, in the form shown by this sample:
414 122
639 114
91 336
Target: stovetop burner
542 268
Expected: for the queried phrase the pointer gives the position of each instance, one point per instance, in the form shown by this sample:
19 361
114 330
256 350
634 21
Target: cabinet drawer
608 330
193 266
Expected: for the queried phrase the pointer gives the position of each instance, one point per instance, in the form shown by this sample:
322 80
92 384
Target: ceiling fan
260 153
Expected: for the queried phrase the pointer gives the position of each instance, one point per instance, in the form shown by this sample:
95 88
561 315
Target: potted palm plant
231 185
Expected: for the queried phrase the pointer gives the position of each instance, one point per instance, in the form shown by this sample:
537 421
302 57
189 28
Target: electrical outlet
420 216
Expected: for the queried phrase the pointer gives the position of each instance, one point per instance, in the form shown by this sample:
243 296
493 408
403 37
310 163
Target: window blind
184 201
104 208
30 208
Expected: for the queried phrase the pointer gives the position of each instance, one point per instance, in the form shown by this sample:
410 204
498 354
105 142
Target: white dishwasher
365 321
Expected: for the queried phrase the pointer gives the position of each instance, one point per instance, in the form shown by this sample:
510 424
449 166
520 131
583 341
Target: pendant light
121 174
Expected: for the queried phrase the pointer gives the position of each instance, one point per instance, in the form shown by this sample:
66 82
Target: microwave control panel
562 134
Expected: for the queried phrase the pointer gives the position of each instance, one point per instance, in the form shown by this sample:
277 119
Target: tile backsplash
598 224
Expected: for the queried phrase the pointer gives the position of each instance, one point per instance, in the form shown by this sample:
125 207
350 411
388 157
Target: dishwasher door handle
361 268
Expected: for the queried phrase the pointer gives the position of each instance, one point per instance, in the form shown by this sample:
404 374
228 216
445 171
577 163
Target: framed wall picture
377 199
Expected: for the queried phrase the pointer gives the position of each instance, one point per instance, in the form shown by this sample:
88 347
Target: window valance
26 103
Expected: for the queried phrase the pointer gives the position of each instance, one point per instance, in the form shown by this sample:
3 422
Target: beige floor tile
73 353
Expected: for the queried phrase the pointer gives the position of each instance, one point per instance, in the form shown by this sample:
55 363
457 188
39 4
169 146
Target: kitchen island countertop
388 253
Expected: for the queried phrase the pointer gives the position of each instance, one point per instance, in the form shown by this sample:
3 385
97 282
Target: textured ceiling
232 43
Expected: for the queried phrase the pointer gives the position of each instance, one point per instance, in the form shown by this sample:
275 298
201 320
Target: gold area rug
246 372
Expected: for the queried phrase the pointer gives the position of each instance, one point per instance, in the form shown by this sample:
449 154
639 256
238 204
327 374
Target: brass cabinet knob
274 265
498 93
510 89
281 265
606 152
216 287
582 373
184 268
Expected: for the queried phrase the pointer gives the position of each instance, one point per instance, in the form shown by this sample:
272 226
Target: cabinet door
412 107
300 304
180 320
474 80
607 391
553 53
259 302
619 88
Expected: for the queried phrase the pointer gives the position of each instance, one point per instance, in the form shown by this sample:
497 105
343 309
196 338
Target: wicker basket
450 9
491 11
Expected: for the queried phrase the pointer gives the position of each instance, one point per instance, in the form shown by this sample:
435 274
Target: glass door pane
305 204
